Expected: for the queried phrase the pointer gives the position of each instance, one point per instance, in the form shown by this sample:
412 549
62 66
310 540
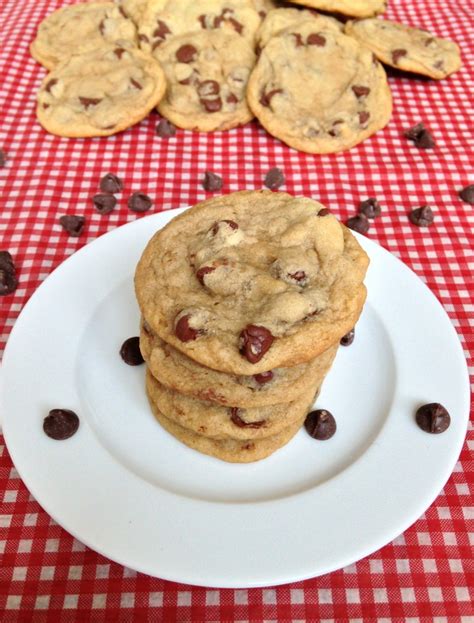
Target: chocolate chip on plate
73 224
110 183
320 424
433 418
211 181
370 208
139 202
467 194
8 280
104 202
420 136
348 338
274 178
60 424
359 223
130 351
3 158
165 129
422 217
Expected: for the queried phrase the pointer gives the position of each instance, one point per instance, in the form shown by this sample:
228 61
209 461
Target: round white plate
130 491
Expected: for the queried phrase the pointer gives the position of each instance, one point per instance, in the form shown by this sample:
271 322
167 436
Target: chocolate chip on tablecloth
211 181
346 340
467 194
104 202
422 217
420 136
359 223
130 351
73 224
433 418
370 208
60 424
274 178
110 183
320 424
8 280
165 129
139 202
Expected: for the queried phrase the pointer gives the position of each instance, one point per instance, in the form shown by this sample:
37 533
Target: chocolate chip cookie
134 9
351 8
252 281
406 48
81 28
100 93
318 90
207 74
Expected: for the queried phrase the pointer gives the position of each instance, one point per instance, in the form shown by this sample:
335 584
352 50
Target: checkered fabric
426 574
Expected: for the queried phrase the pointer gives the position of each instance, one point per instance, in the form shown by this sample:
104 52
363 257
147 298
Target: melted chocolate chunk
364 116
263 377
255 341
324 212
212 105
161 31
215 227
8 280
422 217
211 181
139 202
110 183
265 98
298 39
348 338
104 202
320 424
186 53
315 39
60 424
232 98
119 52
397 55
358 223
130 351
165 129
370 208
204 270
73 224
50 85
238 421
420 136
360 91
467 194
274 178
208 88
184 331
89 101
433 418
135 84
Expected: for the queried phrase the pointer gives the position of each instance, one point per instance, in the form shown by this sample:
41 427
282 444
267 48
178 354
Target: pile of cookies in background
244 301
314 81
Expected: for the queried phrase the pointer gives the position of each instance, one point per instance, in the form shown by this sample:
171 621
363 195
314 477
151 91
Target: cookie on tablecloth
207 74
252 281
318 90
406 48
100 93
81 28
351 8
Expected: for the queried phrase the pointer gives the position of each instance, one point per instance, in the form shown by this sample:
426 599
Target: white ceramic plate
130 491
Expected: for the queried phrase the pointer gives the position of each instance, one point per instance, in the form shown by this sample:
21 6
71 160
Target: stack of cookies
244 299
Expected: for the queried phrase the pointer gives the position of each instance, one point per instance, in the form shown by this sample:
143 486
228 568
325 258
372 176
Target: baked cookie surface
252 281
351 8
407 48
318 90
81 28
134 9
100 93
207 74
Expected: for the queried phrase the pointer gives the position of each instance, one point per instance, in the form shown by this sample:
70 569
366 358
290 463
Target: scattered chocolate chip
315 39
299 276
212 105
397 54
130 351
265 98
320 424
73 224
50 85
204 270
3 158
143 38
422 217
364 116
8 280
360 91
263 377
370 208
215 227
467 194
428 41
255 342
186 53
45 106
232 98
139 202
119 52
359 223
274 178
324 212
420 136
238 421
161 31
135 84
433 418
298 39
208 88
104 202
89 101
184 331
203 21
236 25
110 183
348 338
60 424
211 181
439 65
165 129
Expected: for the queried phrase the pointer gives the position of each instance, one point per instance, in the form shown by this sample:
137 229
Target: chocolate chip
238 421
315 39
433 418
324 212
211 181
184 331
8 280
370 208
202 20
50 85
186 53
265 98
364 117
104 202
208 88
165 129
298 39
232 99
139 202
110 183
274 178
73 224
320 424
60 424
215 227
397 54
348 338
135 84
212 105
204 270
299 275
255 342
420 136
263 377
89 101
130 351
422 217
360 91
3 158
119 52
161 31
467 194
143 38
359 223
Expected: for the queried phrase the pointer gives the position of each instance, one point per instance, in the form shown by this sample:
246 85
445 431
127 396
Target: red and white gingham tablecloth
426 574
